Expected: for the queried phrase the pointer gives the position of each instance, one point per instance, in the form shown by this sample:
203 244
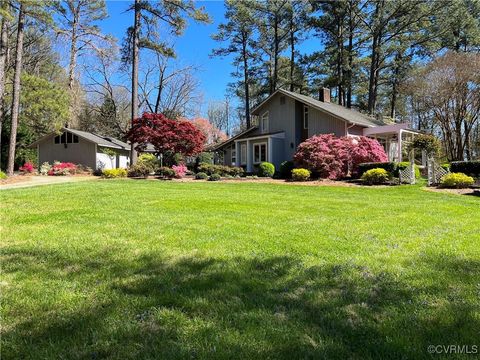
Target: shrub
285 171
214 177
446 166
375 176
300 174
220 169
471 168
403 165
27 168
202 158
82 169
45 168
114 173
180 170
235 170
148 161
389 167
201 176
330 157
166 172
456 180
266 169
139 169
362 150
60 169
3 176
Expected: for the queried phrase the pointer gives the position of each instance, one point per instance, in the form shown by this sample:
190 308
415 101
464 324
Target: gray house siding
81 153
227 156
320 122
281 118
278 151
285 126
356 130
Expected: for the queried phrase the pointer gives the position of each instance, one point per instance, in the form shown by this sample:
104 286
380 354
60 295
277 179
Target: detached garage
80 147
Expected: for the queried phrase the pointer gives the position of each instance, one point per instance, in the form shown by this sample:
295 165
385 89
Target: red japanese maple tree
168 136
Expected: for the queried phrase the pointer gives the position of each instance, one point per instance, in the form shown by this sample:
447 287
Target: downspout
348 127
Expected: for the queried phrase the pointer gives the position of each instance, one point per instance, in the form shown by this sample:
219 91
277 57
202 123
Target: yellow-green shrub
300 174
375 176
2 175
114 173
456 180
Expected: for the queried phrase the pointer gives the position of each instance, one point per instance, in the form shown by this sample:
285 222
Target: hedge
390 167
470 168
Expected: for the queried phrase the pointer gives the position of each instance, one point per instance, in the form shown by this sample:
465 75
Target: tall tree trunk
340 62
468 146
350 55
373 76
135 58
72 66
3 64
292 53
16 90
160 89
246 80
374 59
275 57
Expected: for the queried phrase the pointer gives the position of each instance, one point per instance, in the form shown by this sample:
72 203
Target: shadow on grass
194 307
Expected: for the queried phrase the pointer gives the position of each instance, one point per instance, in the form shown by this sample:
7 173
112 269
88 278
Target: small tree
427 143
169 137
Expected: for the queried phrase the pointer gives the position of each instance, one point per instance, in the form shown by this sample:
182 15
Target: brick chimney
324 95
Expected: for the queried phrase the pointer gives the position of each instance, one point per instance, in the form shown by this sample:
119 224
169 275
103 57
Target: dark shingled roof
97 139
339 111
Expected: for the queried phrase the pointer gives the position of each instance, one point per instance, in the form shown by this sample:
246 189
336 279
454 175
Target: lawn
133 269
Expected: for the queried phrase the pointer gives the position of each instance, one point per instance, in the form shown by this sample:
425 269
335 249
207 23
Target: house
81 147
286 119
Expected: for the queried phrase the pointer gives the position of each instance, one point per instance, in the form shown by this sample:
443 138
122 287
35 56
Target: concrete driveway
44 180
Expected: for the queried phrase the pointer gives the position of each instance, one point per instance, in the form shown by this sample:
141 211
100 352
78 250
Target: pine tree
147 17
238 32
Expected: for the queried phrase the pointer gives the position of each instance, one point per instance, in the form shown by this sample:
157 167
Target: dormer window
305 117
66 138
264 123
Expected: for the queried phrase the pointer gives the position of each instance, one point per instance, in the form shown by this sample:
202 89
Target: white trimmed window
264 123
259 153
234 155
305 117
243 154
66 138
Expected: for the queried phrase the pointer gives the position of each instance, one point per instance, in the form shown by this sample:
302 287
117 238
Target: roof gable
93 138
338 111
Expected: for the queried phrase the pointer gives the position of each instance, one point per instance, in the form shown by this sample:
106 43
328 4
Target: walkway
44 180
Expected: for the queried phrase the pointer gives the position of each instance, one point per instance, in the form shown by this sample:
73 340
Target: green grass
126 269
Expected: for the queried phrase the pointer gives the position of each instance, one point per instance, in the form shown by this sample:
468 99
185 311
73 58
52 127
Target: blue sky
193 47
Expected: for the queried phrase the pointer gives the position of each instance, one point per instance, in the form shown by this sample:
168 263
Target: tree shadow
271 307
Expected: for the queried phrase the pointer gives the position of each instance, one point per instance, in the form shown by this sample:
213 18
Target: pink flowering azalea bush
328 156
60 168
180 170
364 150
27 168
